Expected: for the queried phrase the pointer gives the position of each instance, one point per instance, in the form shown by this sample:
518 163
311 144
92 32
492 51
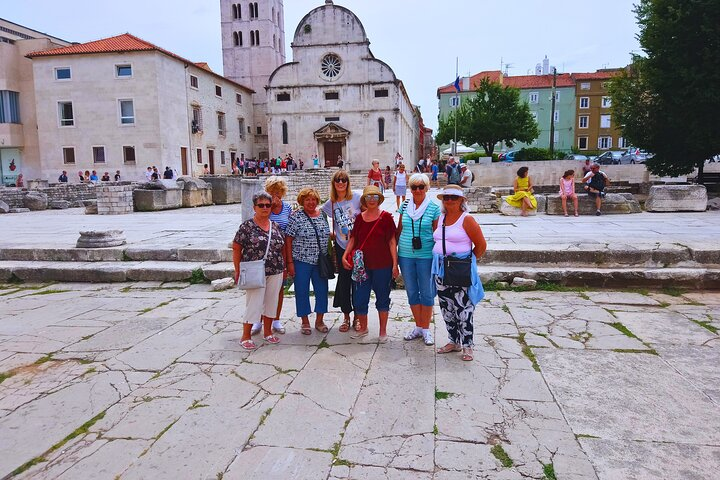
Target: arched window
252 38
240 41
257 37
252 10
257 14
284 133
234 10
235 39
381 129
239 11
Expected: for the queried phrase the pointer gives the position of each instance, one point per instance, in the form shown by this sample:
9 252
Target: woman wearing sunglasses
374 236
250 244
342 208
418 220
457 236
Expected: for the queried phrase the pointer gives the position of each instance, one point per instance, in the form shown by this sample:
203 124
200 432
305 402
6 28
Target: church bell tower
253 44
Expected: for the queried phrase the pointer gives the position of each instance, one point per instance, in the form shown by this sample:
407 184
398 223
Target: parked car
575 156
609 158
634 155
509 156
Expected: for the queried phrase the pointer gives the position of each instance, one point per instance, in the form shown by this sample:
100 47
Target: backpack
454 176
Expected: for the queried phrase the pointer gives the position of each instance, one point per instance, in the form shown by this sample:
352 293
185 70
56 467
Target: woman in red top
374 234
375 176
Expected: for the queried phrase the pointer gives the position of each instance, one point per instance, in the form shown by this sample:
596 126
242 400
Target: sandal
277 327
382 339
360 334
272 339
413 334
450 347
256 328
467 354
356 324
248 345
322 328
305 330
345 325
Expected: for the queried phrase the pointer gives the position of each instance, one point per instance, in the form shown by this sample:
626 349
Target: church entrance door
332 151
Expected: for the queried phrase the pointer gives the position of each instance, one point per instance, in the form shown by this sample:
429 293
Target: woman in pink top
567 189
463 237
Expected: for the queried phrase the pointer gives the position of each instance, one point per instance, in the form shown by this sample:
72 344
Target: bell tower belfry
253 44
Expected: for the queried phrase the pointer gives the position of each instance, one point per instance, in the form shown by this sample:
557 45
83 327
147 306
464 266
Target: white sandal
413 334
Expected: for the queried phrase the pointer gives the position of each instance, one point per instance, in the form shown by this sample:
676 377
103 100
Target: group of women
370 251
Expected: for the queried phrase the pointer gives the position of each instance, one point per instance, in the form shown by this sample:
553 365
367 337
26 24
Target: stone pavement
147 381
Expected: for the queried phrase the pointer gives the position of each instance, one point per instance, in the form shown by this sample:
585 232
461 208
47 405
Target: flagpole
457 107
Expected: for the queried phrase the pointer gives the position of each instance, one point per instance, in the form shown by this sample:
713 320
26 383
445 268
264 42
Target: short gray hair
418 178
259 195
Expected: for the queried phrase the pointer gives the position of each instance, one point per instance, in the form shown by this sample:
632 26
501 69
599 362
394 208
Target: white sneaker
413 334
427 337
256 328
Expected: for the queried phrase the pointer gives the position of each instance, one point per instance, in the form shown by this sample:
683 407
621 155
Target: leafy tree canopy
668 101
495 114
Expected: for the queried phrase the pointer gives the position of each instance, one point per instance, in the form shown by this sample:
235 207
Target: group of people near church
434 246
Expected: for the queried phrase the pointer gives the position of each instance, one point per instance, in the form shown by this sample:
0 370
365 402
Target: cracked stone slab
664 328
123 335
274 463
622 298
400 452
363 472
697 364
466 457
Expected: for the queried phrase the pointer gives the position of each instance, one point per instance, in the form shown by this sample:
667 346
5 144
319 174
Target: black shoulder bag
457 270
325 264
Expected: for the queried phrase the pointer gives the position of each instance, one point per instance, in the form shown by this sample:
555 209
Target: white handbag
252 274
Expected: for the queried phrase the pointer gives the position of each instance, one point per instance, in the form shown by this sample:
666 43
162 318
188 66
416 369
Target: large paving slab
147 380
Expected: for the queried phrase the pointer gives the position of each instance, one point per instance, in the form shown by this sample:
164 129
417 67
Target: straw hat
451 190
371 190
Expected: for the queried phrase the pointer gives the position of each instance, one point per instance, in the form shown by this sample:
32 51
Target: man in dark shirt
168 174
63 177
595 183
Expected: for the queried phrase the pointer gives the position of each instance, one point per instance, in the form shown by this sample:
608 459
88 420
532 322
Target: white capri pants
263 301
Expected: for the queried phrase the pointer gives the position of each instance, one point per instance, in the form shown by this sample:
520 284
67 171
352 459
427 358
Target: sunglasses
418 187
263 205
372 197
341 180
450 198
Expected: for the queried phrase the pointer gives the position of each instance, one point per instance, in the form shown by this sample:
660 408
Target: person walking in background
342 208
251 244
523 197
371 253
81 177
434 174
316 162
307 238
399 184
418 220
105 177
595 183
452 171
375 176
387 178
63 177
567 190
457 237
148 174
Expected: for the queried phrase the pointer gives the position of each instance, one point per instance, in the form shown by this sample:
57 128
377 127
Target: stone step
108 272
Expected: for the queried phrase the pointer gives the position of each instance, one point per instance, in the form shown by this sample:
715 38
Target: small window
238 98
556 116
332 96
218 91
381 129
236 41
332 119
533 97
606 102
583 121
284 133
240 39
381 92
604 143
259 130
584 102
127 112
455 101
557 96
68 155
585 86
63 73
98 154
605 121
123 71
241 128
283 97
221 124
222 157
193 82
128 154
199 155
249 129
65 111
583 143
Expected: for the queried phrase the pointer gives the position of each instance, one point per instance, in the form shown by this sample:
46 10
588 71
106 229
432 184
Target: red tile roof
538 81
492 75
120 44
599 75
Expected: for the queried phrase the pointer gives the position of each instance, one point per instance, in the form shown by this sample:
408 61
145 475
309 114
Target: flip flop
450 347
306 330
359 334
383 339
272 340
322 328
248 345
345 326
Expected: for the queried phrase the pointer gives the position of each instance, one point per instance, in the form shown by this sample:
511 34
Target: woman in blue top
418 220
279 213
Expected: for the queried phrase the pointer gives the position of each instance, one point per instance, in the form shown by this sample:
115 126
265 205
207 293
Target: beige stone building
19 150
122 103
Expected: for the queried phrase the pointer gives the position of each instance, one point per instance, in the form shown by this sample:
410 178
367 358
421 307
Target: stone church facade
335 99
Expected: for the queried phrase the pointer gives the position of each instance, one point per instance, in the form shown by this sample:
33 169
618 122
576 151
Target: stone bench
225 189
509 210
195 192
677 198
613 203
154 196
481 200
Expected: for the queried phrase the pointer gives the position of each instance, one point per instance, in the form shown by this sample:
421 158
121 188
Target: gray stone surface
524 282
153 200
19 210
226 189
221 284
613 203
509 210
101 239
35 201
677 198
4 207
59 204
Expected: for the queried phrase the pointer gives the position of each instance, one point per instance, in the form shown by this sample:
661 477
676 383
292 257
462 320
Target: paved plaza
148 381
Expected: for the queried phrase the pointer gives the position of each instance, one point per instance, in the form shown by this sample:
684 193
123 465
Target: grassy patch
650 351
542 285
505 309
126 257
527 351
26 466
44 359
639 291
549 471
499 452
624 330
584 295
547 337
127 289
264 417
81 430
442 395
196 404
164 430
284 372
323 344
582 337
5 375
150 309
435 429
14 280
47 292
673 291
197 276
706 325
89 371
585 435
664 305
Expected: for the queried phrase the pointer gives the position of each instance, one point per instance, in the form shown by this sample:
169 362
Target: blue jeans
304 273
419 283
379 282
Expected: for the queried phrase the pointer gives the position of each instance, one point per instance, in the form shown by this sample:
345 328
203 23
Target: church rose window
330 65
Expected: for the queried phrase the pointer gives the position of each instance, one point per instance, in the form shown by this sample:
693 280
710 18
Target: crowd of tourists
350 236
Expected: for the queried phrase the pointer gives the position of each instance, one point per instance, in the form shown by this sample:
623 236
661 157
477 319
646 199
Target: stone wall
114 199
75 193
318 179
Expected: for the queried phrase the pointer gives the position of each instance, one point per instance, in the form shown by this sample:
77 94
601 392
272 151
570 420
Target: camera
416 243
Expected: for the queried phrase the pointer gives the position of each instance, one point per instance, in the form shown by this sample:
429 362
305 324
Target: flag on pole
457 84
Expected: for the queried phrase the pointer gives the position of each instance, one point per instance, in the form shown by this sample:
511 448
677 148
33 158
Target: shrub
472 156
532 154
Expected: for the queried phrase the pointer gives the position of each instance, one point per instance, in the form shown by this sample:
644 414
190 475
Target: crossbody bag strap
267 249
317 235
371 230
443 237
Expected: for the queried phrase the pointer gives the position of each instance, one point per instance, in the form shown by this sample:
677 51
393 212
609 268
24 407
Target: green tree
495 114
668 100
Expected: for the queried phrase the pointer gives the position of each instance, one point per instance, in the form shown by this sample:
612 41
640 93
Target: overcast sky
419 39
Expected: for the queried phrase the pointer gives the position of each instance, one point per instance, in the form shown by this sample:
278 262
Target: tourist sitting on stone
342 207
250 244
148 173
375 176
81 176
63 177
372 255
280 214
595 184
307 237
567 190
94 176
523 197
105 177
458 235
418 220
86 177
